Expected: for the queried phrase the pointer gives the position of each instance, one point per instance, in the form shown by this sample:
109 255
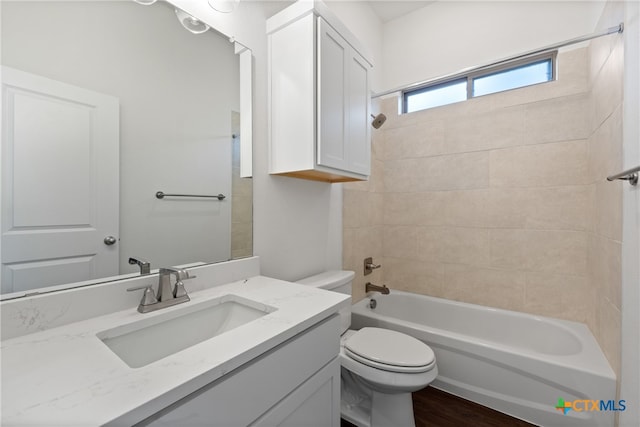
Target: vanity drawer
242 396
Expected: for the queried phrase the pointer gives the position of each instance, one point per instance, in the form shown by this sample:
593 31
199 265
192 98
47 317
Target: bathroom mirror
105 104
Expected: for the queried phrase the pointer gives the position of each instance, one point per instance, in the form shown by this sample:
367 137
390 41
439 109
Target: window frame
485 71
430 87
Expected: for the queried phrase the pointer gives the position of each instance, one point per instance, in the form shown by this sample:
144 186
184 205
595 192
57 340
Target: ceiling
388 10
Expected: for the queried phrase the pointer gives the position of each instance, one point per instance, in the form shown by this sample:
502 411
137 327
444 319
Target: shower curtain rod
617 29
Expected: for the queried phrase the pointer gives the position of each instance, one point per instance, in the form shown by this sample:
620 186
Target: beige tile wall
606 63
362 221
488 200
501 200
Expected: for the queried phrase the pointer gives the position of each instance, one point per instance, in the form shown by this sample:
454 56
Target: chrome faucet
370 287
166 296
145 266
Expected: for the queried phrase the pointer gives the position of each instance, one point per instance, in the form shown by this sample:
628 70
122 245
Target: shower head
378 120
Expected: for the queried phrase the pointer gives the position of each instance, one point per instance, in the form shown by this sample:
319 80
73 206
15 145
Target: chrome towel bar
630 175
161 195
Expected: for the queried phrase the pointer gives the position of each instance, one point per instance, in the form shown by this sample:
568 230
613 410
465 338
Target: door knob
110 240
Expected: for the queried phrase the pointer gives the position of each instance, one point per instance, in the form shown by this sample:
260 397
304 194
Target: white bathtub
513 362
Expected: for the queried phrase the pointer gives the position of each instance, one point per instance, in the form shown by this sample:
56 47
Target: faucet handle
369 266
148 297
137 288
179 290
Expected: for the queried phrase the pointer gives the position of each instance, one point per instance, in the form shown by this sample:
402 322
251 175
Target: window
437 95
524 75
483 81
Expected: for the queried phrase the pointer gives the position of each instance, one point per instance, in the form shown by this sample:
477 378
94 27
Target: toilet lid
389 350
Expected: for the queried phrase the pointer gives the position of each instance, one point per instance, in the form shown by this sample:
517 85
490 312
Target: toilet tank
336 281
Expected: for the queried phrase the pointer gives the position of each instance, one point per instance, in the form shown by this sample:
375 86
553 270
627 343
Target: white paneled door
60 153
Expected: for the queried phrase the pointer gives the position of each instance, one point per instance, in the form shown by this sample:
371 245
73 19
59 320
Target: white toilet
380 367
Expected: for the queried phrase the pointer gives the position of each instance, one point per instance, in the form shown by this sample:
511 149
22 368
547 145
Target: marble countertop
67 376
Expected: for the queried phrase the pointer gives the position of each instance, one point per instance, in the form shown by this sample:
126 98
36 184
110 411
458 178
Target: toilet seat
389 350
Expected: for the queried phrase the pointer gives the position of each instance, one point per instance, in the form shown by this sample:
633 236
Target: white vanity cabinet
281 368
296 383
319 97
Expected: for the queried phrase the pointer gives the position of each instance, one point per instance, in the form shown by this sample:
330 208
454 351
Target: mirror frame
245 57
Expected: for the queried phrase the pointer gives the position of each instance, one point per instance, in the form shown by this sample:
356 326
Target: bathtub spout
370 287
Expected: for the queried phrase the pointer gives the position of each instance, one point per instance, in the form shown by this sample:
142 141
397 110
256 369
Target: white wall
176 91
448 36
630 381
366 25
297 223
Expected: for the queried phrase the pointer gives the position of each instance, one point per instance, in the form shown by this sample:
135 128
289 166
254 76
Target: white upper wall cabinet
319 97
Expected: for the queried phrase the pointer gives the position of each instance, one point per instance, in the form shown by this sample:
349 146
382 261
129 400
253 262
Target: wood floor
435 408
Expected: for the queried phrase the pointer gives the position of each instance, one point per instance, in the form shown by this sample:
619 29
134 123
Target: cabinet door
359 129
316 403
246 394
333 52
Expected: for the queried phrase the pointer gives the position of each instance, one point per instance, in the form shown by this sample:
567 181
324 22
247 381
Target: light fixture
224 6
145 2
190 23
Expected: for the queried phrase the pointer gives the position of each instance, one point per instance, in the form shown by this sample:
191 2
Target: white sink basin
153 338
